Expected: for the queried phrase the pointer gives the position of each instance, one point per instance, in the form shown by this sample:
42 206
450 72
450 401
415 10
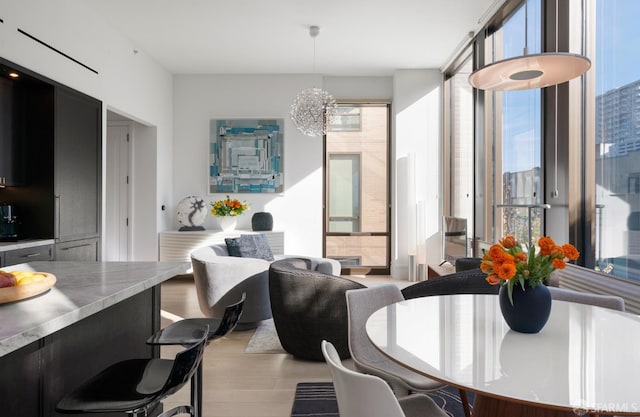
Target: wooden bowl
20 292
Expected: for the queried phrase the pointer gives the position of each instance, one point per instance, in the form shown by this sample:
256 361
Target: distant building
618 121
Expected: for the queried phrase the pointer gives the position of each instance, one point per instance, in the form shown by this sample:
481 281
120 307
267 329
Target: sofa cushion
250 246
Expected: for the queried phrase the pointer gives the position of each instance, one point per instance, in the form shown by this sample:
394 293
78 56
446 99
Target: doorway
357 189
118 161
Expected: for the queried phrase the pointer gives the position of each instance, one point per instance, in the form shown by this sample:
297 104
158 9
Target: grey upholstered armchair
221 279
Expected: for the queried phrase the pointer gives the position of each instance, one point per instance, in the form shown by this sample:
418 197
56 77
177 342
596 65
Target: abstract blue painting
246 156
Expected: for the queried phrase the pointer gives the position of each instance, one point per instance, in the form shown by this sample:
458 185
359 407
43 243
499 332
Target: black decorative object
262 221
530 309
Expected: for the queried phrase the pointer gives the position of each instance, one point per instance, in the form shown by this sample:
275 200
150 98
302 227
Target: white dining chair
362 395
361 304
607 301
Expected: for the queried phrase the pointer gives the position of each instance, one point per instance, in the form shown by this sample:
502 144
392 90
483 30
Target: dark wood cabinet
77 167
26 120
35 377
36 253
7 127
51 147
77 250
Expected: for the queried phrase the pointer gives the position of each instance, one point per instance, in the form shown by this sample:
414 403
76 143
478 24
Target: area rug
318 399
265 339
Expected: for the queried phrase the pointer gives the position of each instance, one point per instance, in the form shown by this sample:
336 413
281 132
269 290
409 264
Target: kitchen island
96 314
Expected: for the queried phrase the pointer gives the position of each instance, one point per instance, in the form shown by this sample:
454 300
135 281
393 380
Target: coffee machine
8 223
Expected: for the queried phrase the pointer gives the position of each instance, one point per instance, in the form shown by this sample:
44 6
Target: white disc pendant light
530 71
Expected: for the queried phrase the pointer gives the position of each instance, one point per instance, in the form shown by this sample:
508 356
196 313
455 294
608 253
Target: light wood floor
235 383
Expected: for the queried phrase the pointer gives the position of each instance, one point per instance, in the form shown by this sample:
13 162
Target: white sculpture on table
192 212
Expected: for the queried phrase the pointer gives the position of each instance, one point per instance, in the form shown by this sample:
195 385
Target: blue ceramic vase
530 310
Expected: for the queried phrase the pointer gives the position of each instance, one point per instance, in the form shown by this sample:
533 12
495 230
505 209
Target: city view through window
617 66
617 137
521 134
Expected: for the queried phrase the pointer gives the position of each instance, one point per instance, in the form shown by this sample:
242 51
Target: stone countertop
23 244
82 289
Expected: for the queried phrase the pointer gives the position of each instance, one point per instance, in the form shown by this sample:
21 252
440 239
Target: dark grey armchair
308 307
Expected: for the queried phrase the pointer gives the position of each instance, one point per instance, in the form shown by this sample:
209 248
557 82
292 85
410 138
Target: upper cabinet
78 127
7 176
51 155
21 102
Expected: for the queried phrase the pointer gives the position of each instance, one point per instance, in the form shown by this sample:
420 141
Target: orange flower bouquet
507 263
228 207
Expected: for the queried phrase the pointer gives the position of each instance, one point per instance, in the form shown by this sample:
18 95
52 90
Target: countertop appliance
8 223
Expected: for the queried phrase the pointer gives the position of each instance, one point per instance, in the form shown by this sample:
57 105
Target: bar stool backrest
230 318
184 366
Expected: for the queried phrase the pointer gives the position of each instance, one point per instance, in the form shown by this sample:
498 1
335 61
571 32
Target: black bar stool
186 331
136 386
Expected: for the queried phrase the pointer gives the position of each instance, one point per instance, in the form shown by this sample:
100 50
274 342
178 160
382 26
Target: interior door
117 193
356 226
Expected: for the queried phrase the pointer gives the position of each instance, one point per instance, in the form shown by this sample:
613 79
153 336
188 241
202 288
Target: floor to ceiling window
501 153
459 153
357 188
462 147
575 146
517 134
617 136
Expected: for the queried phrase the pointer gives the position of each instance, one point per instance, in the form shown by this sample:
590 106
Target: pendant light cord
555 119
557 25
314 55
526 28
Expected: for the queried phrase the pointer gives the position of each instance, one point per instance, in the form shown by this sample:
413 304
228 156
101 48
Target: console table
177 246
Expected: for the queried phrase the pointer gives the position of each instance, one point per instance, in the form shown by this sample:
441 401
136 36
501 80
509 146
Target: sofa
221 279
309 306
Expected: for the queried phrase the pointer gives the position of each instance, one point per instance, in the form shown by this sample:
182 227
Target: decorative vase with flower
227 211
525 301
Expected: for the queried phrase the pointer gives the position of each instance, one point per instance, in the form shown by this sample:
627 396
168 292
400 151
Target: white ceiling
357 37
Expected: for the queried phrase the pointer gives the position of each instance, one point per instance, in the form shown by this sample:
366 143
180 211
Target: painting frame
246 156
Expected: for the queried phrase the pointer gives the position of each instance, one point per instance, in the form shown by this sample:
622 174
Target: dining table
585 361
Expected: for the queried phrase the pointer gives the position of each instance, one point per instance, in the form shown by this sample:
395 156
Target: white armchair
221 279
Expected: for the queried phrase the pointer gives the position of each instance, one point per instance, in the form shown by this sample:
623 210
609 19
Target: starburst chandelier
313 109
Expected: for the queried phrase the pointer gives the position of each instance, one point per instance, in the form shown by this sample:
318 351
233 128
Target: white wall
417 104
359 88
200 98
129 83
133 85
298 210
